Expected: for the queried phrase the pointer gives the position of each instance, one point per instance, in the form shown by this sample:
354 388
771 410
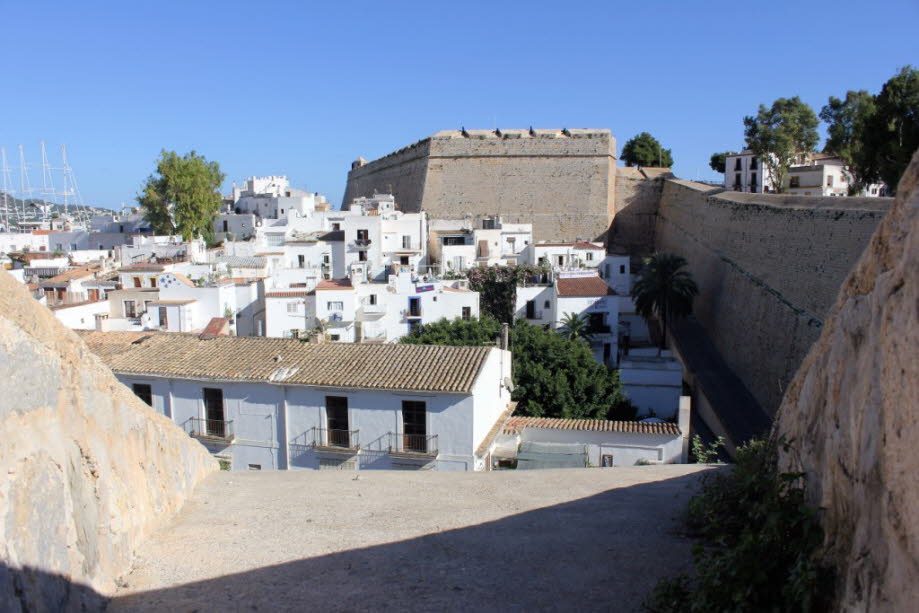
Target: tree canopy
497 287
665 290
848 121
553 376
645 150
718 162
183 195
575 326
779 133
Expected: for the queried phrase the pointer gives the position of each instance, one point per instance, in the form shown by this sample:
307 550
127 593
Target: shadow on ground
599 553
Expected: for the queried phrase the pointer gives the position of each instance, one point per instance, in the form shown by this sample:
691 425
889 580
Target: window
121 229
794 182
301 261
325 259
226 226
488 224
737 165
336 413
467 313
622 269
152 281
363 235
531 309
829 181
213 412
874 191
737 182
589 256
164 317
130 309
403 260
453 240
406 241
362 256
138 282
560 259
73 246
546 304
336 227
606 460
414 307
144 392
335 337
372 299
293 307
753 163
146 305
335 305
255 467
414 426
753 183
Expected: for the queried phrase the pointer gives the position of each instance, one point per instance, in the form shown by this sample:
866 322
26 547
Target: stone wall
637 198
560 181
768 268
88 469
851 415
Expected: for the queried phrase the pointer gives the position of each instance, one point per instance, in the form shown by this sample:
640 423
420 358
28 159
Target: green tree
779 133
645 150
183 195
664 290
847 122
892 133
497 287
575 326
553 376
718 162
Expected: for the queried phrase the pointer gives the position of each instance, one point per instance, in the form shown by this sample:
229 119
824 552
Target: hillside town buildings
814 174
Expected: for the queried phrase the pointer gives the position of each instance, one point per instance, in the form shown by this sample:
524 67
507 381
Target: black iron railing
342 439
219 429
425 444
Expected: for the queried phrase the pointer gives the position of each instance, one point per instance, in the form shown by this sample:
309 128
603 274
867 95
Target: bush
759 543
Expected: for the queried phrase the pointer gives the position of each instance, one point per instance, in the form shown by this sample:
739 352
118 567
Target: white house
813 174
652 382
543 442
565 256
456 245
262 404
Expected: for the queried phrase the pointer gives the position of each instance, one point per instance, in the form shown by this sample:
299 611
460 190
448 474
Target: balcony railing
421 444
372 334
335 439
598 329
362 242
214 429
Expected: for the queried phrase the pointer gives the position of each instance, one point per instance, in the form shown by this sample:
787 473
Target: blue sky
303 88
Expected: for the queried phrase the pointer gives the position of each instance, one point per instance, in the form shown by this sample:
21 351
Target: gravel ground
578 539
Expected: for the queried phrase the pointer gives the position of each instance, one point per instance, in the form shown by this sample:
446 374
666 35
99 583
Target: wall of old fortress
562 183
769 267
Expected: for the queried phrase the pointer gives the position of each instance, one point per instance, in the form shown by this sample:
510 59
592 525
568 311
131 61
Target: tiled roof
240 280
69 305
434 368
586 245
585 287
217 326
289 294
143 268
338 284
238 261
173 302
516 424
71 275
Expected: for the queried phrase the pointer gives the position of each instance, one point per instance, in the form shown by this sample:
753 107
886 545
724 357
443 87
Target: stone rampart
850 415
768 268
638 195
89 470
560 181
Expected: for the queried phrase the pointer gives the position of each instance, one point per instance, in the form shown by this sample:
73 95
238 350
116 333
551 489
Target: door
164 317
336 412
531 309
213 411
414 426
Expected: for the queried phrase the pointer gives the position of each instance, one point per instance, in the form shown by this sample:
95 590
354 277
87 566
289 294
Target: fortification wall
401 173
637 198
768 267
89 470
561 183
850 413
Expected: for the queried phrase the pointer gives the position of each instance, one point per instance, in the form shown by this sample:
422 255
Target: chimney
505 331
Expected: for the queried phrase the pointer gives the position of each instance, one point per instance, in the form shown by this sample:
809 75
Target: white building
14 242
814 174
745 172
543 442
565 256
264 404
652 382
271 197
456 245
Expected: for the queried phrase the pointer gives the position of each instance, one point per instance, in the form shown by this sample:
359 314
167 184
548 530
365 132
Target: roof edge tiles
515 424
391 367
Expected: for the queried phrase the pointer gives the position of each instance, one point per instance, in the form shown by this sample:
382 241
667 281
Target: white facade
565 256
652 383
81 315
11 242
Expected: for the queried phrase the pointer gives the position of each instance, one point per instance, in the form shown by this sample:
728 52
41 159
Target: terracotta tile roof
434 368
71 275
516 424
289 294
586 245
143 268
173 302
338 284
240 280
217 326
41 232
572 287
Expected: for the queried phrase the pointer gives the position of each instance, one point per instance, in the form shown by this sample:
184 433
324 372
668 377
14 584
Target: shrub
759 543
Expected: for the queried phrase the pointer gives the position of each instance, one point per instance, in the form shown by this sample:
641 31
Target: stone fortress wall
89 470
561 181
768 266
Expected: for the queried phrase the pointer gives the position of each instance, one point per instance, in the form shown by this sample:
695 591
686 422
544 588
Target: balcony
373 308
424 445
412 313
343 441
598 329
210 429
361 243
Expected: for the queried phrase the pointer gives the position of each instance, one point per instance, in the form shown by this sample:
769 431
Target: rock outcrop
852 414
88 469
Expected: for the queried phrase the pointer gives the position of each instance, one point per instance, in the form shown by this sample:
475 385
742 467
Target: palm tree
664 290
575 326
